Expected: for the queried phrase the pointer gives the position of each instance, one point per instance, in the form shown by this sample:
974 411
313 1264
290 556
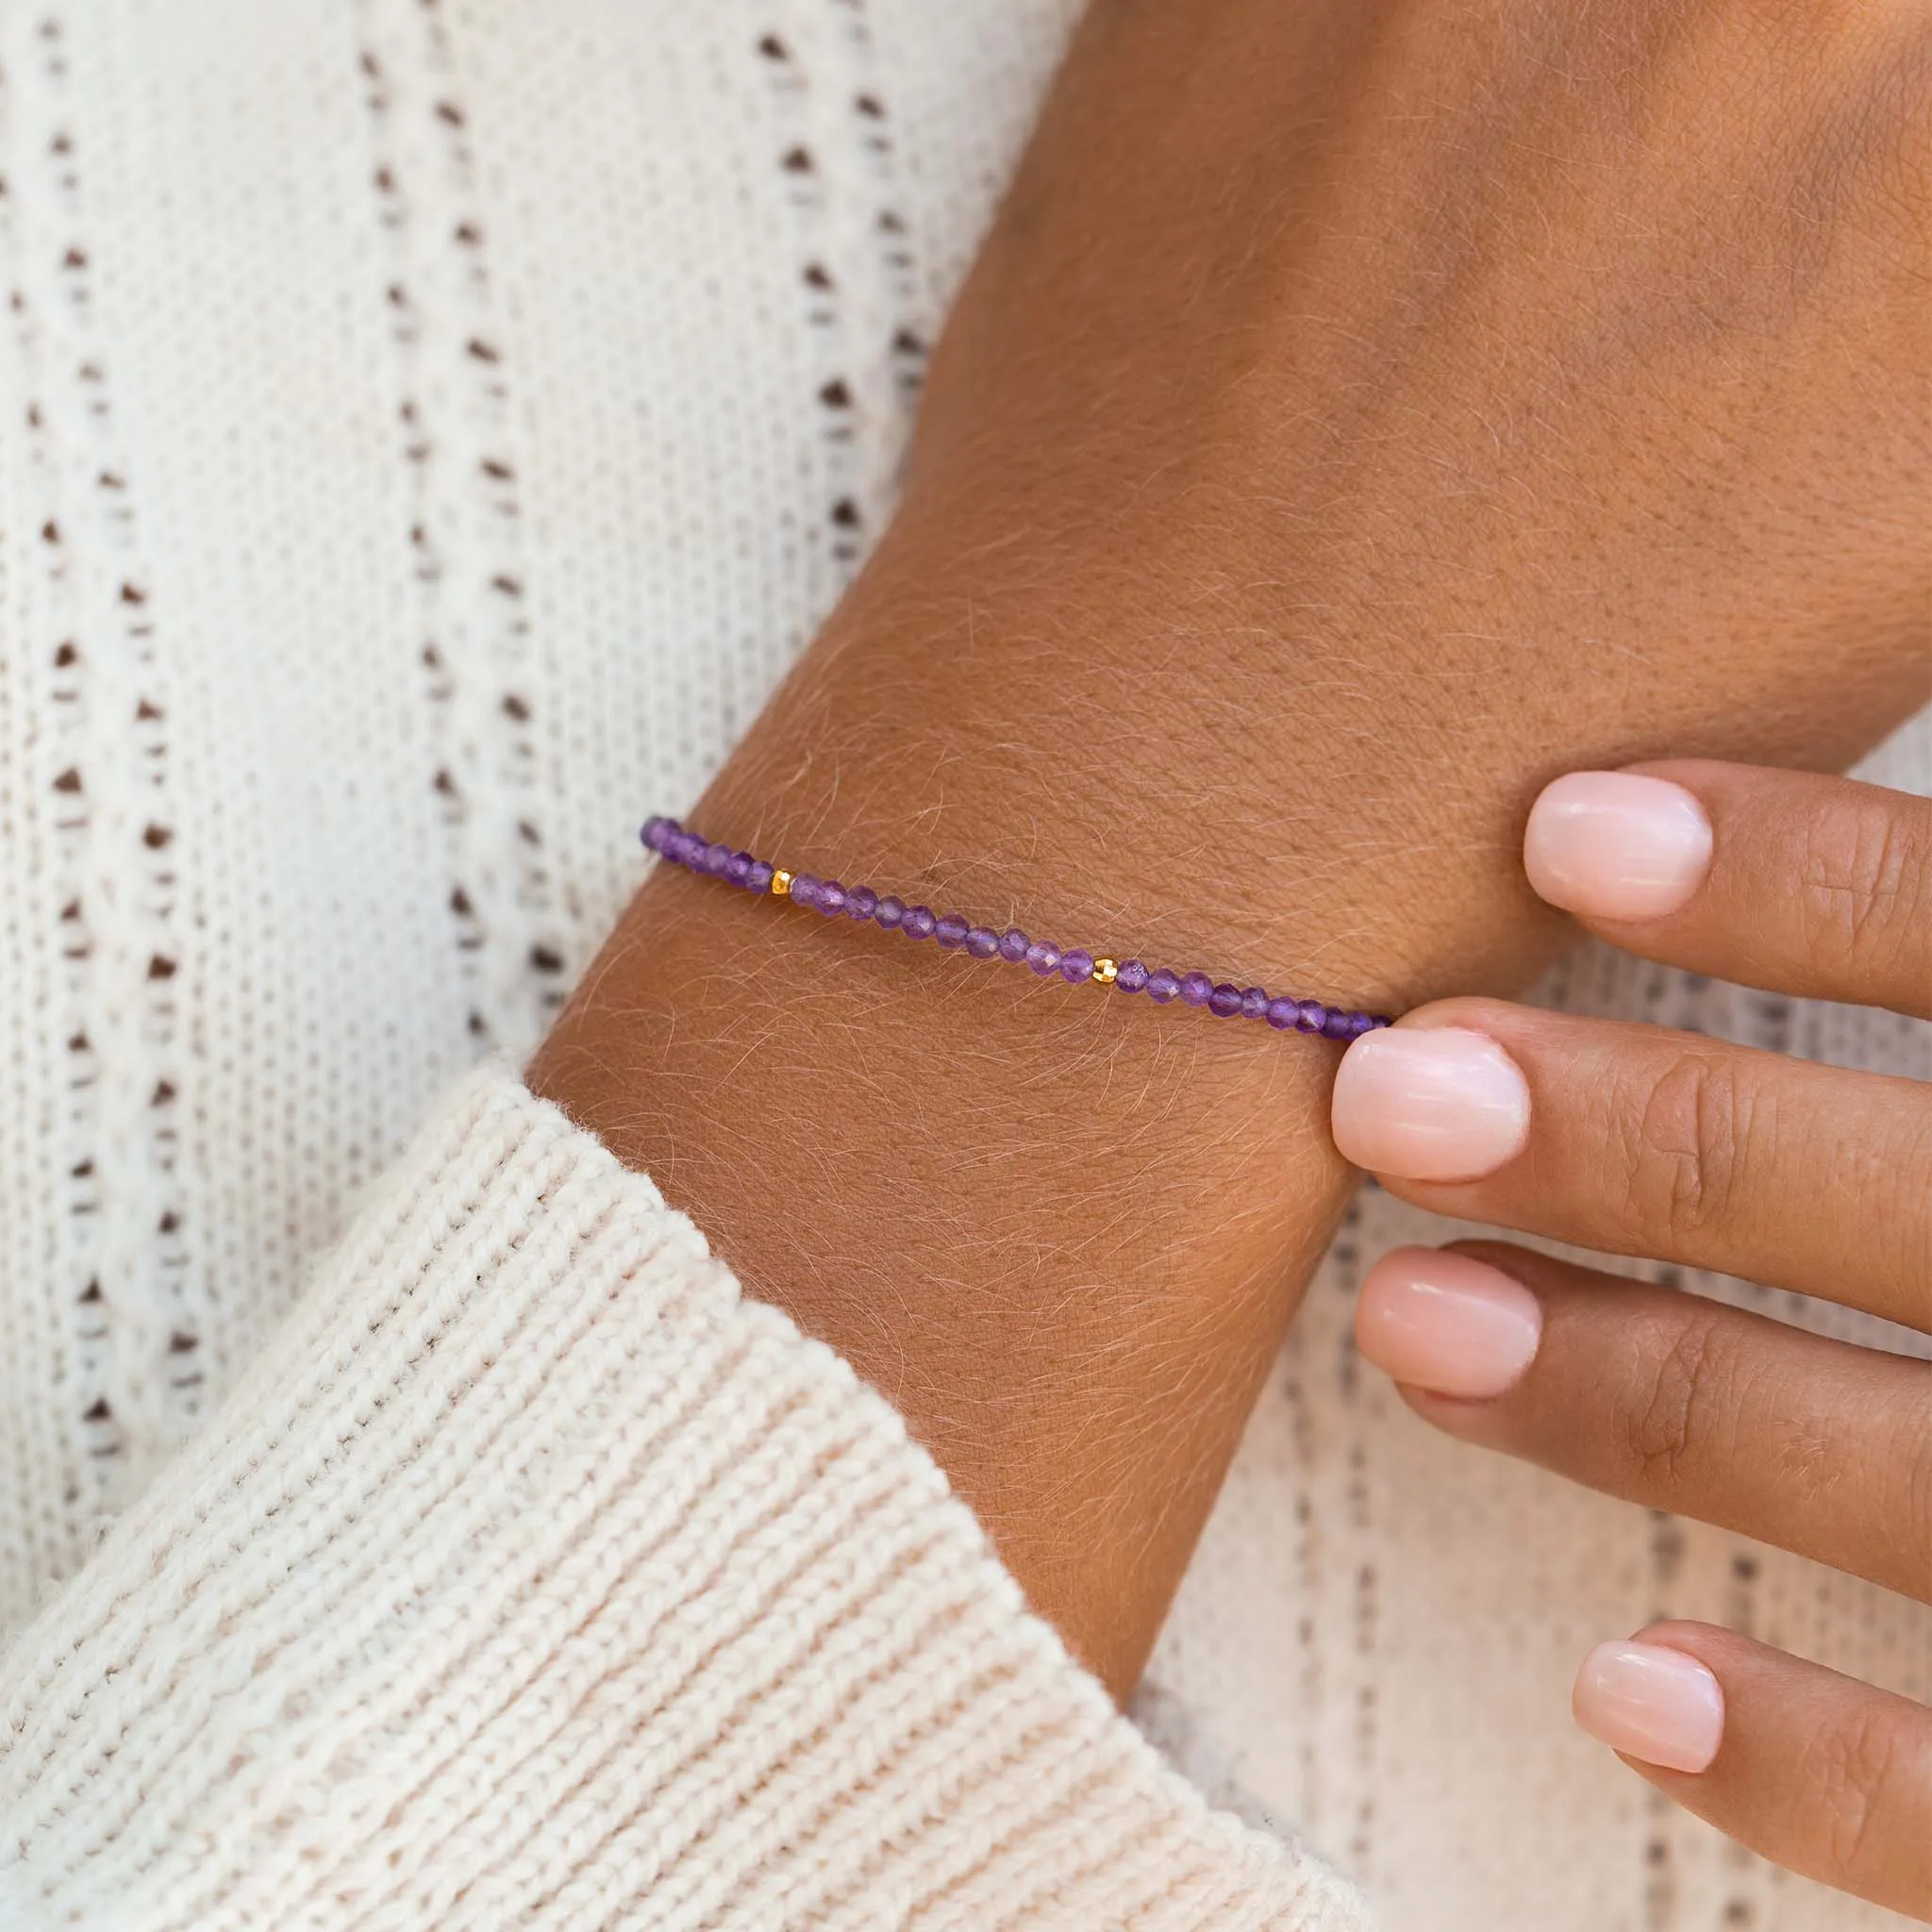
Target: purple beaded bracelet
955 933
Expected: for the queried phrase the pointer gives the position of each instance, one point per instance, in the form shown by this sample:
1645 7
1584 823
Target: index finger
1805 885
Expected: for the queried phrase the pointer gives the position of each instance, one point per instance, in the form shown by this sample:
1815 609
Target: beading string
954 932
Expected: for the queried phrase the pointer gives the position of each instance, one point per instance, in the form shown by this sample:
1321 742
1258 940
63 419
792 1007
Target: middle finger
1665 1399
1637 1141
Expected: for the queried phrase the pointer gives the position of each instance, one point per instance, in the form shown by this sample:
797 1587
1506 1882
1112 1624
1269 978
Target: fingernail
1448 1324
1616 845
1429 1103
1651 1703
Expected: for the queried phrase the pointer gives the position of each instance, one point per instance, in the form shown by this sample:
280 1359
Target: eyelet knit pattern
534 1577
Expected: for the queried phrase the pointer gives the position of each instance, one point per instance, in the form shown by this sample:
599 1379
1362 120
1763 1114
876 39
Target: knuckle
1866 885
1686 1137
1859 156
1877 145
1851 1781
1671 1409
1903 129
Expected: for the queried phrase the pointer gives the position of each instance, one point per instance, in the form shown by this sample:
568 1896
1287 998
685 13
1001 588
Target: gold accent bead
1105 972
781 883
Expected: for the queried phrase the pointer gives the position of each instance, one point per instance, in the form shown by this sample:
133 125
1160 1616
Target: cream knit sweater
427 428
531 1577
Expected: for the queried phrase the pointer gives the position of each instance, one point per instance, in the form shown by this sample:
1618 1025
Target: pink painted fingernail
1448 1324
1616 845
1429 1103
1658 1705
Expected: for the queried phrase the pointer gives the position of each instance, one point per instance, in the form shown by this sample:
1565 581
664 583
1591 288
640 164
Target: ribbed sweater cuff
534 1577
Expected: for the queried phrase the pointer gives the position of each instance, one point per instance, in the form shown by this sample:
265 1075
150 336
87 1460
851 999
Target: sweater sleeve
535 1578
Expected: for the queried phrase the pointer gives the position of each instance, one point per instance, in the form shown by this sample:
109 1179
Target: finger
1803 884
1665 1399
1637 1141
1819 1773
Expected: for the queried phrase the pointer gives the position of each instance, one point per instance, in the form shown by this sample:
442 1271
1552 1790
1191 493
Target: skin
1815 1180
1359 413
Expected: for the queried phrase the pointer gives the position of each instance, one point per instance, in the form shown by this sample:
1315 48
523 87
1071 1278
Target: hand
1637 1141
1361 410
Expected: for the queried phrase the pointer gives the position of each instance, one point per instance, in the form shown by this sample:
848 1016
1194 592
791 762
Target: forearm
1189 641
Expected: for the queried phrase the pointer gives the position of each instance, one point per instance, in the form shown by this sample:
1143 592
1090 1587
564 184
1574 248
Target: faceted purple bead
758 879
830 897
657 828
1284 1013
716 859
682 847
1379 1020
890 912
1224 1001
1077 967
1162 986
1013 944
982 942
1338 1026
1359 1023
1254 1002
1132 976
1196 988
951 932
738 867
918 922
861 902
1314 1016
1043 957
805 888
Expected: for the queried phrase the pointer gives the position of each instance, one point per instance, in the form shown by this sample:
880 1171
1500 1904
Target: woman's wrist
1061 1231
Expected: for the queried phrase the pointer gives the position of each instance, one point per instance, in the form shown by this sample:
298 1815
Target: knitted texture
428 432
532 1577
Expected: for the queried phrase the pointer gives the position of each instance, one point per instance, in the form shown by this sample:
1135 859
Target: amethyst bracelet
955 933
